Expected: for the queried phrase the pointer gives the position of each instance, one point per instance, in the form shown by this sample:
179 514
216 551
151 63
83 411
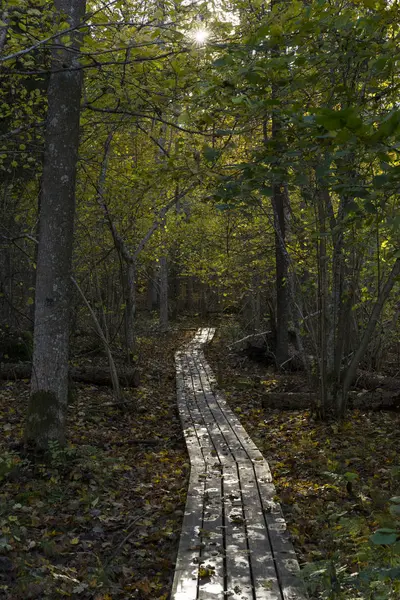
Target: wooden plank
264 574
238 572
208 450
220 427
185 584
216 436
231 419
287 565
212 552
189 431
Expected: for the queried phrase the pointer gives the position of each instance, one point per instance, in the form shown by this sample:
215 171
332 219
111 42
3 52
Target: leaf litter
100 519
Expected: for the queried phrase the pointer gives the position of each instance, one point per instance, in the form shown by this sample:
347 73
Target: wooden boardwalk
234 543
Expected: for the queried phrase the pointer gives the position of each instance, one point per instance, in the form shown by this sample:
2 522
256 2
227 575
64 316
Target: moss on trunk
45 420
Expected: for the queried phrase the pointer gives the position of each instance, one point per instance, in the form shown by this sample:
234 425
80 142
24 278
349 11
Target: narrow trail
234 542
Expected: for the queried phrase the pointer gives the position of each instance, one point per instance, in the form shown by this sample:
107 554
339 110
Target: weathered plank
212 558
185 583
238 571
266 585
230 418
287 566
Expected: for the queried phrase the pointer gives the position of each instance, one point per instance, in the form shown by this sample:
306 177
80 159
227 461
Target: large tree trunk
49 392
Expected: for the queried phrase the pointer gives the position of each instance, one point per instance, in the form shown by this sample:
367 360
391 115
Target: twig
113 370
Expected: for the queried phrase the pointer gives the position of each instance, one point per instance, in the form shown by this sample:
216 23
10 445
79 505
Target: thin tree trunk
256 302
130 308
189 293
152 291
322 308
113 370
47 408
362 347
3 29
278 205
163 292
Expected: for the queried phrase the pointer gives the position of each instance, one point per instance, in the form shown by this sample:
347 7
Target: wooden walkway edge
234 543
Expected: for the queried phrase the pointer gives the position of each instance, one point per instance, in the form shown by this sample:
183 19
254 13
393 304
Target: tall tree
49 387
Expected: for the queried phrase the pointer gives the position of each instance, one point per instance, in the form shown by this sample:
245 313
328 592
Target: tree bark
322 398
49 387
152 290
278 205
130 313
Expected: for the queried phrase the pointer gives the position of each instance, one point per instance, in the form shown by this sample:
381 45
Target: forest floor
101 519
334 481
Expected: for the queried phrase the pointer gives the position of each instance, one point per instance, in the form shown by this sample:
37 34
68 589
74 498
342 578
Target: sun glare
200 36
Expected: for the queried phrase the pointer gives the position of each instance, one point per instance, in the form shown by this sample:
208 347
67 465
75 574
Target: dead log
372 381
369 400
89 374
375 400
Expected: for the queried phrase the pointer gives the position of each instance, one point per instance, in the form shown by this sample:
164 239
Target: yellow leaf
74 541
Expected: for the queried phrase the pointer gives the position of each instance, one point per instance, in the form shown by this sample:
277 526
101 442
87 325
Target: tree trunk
281 268
49 386
130 312
163 292
152 291
255 302
322 307
282 297
189 293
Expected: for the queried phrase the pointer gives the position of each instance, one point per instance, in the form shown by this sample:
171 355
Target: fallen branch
249 337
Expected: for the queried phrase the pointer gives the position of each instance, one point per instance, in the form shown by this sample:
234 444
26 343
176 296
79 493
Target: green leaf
384 537
266 191
395 510
223 61
210 154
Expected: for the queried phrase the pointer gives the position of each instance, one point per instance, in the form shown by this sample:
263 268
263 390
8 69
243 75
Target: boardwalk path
234 544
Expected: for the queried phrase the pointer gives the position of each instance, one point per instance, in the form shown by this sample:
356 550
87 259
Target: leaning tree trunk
49 384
